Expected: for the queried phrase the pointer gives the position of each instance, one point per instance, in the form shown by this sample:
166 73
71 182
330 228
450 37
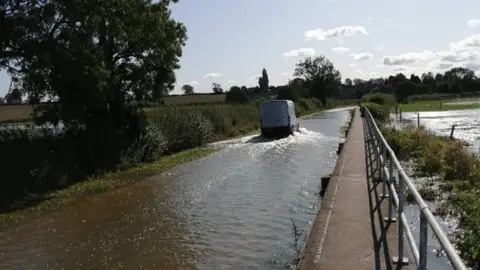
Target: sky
231 41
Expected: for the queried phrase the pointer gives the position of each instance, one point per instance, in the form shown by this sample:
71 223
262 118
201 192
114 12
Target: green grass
93 186
438 105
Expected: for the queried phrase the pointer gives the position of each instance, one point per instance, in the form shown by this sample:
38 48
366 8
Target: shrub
459 175
379 112
380 98
147 148
182 127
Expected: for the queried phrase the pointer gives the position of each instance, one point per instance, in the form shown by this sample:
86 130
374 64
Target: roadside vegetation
450 173
102 84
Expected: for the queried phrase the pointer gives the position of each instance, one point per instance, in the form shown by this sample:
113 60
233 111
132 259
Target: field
441 105
22 113
15 113
196 99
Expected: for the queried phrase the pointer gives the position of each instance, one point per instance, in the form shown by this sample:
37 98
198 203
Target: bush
380 98
183 128
458 171
151 145
379 112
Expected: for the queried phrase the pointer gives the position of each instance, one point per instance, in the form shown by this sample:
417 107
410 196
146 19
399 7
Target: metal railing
384 153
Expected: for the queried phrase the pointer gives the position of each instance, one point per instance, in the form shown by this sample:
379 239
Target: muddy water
231 210
467 128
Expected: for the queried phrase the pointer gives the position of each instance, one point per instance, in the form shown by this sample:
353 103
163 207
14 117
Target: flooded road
231 210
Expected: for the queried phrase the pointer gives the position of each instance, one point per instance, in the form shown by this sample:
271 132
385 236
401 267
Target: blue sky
230 41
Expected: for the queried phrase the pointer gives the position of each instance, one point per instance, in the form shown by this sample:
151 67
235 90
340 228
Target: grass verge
439 105
450 177
58 199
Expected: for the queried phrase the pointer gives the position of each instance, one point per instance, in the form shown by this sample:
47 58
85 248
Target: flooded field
231 210
467 128
467 124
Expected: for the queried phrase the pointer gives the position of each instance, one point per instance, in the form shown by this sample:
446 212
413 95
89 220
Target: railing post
391 184
400 259
423 252
384 178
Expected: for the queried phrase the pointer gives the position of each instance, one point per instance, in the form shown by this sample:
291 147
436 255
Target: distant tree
236 96
2 100
415 79
263 80
348 82
217 88
14 97
404 89
320 75
187 89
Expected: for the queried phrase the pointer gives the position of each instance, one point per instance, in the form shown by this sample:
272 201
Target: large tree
187 89
91 55
320 76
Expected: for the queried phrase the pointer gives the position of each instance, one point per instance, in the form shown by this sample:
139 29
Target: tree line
316 77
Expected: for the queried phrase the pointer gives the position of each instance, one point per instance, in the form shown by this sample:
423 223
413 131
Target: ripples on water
231 210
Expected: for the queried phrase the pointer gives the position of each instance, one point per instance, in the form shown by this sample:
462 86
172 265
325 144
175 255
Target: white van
278 117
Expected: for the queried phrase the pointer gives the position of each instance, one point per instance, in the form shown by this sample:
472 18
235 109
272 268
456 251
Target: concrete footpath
342 236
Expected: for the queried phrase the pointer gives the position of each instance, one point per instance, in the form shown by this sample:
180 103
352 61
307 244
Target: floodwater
467 124
231 210
467 128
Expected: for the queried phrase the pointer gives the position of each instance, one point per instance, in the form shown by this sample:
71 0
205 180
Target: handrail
383 152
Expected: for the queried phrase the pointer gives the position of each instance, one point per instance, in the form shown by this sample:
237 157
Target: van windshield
273 110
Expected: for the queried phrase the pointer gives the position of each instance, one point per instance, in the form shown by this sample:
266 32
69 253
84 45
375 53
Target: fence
386 165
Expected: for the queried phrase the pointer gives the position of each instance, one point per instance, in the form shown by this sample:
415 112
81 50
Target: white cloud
362 56
193 83
254 77
370 19
352 65
212 75
371 75
231 81
458 56
473 23
341 31
340 50
285 73
300 52
466 43
407 58
400 69
439 65
462 53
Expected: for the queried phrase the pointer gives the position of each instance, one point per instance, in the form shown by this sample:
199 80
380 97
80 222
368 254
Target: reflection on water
229 210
